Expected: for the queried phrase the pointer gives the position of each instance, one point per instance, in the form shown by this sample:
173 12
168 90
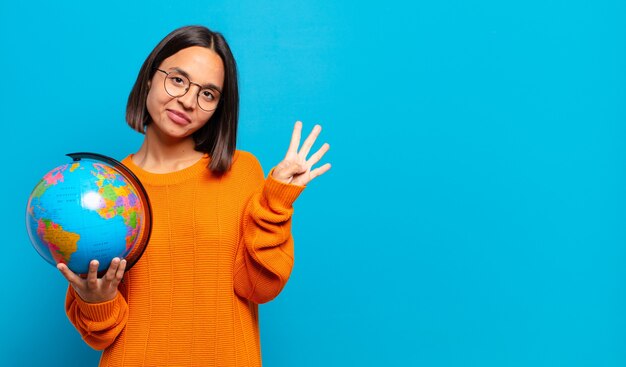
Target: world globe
92 208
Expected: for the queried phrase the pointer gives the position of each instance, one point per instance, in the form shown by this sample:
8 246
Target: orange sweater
219 246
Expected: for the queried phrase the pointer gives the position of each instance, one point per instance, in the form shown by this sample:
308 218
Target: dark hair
218 136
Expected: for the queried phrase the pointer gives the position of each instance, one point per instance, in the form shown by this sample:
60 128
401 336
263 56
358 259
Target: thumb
285 170
69 275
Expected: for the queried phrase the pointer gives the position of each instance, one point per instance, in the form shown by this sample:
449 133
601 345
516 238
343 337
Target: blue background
474 214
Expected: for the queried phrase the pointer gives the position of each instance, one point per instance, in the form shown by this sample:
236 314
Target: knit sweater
219 246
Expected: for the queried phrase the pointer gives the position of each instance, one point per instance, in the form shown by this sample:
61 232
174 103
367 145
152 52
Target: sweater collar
160 179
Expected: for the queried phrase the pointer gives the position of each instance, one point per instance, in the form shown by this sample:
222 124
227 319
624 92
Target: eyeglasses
177 85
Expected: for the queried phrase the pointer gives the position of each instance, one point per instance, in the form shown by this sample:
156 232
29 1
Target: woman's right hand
93 289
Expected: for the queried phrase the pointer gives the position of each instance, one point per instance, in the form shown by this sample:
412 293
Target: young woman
221 241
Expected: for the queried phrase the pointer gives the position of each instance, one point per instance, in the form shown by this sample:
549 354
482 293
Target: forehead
202 64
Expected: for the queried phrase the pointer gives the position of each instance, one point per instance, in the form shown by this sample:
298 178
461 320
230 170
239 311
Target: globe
90 208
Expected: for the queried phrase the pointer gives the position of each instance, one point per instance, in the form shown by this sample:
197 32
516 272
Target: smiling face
179 117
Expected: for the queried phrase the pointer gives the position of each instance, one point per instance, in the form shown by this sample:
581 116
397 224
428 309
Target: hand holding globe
93 289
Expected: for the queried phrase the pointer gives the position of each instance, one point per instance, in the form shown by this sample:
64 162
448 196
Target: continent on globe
61 243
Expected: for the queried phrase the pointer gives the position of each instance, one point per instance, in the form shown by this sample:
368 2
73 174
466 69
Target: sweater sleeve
265 255
98 323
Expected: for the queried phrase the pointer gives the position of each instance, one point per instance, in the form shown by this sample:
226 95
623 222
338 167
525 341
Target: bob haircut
218 136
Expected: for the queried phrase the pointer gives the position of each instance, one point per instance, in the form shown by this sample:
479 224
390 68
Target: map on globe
82 211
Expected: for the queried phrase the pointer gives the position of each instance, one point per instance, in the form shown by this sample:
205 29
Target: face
180 117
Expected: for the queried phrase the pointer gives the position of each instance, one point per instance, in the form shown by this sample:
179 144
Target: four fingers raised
296 168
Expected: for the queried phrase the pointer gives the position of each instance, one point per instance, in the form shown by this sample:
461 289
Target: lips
178 117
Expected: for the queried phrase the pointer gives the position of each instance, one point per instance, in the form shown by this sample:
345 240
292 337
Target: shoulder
246 169
244 159
128 163
127 159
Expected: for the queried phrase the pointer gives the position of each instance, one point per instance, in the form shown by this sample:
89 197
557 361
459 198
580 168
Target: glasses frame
188 88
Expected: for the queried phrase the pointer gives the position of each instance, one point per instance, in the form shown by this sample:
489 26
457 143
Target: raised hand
93 289
295 168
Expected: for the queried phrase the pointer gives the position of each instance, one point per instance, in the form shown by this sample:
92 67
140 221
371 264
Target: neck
162 154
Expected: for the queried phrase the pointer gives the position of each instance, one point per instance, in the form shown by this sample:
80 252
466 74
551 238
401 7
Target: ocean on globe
91 208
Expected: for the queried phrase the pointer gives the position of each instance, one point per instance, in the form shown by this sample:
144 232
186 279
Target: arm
95 305
264 261
98 323
265 256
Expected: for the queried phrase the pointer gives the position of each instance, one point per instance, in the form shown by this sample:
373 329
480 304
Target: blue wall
474 214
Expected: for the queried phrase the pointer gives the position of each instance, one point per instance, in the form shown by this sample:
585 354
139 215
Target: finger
295 138
310 140
71 277
319 171
110 274
119 275
92 276
317 155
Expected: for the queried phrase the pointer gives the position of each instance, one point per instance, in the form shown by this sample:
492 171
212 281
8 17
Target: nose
189 99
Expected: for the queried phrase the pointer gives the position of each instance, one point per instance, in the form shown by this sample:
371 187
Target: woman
221 241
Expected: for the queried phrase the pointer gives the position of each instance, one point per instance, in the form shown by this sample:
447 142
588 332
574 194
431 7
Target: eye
177 80
207 95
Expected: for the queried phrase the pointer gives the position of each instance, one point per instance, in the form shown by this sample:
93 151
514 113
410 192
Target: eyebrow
208 85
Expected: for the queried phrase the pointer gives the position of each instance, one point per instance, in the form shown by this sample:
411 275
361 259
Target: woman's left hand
295 168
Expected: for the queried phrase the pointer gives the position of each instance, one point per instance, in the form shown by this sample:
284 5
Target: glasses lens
176 84
208 99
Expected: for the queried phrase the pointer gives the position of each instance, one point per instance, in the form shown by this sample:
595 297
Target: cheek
153 102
